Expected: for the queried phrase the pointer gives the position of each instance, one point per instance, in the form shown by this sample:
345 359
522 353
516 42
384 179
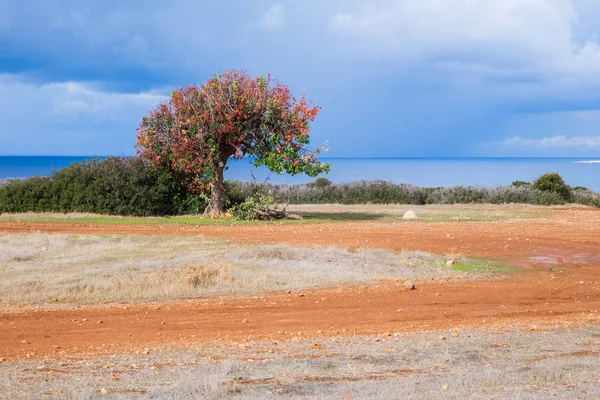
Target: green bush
552 182
249 209
521 183
127 186
320 183
117 186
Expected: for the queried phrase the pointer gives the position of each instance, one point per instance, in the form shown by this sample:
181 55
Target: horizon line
323 158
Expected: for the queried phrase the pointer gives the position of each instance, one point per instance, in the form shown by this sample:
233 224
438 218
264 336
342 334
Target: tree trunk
216 204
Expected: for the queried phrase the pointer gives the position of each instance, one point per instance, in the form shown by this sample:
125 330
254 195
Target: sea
426 172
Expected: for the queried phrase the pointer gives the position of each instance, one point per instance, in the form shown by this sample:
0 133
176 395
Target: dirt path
568 242
530 298
566 237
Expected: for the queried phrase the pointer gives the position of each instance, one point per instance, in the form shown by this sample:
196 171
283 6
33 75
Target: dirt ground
558 282
565 237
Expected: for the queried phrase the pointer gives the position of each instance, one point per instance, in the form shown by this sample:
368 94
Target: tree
200 128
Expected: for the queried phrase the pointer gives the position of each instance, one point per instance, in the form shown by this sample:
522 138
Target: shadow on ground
342 216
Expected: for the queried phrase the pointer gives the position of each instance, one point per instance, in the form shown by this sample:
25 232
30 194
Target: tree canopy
233 114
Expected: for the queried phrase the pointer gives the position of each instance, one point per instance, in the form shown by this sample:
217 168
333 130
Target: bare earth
566 239
532 334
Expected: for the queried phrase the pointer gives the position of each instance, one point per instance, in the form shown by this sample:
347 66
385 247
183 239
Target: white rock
410 214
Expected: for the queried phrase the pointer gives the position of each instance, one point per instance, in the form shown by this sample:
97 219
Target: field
504 305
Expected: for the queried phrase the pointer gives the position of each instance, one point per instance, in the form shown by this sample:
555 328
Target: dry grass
426 213
41 268
318 213
511 364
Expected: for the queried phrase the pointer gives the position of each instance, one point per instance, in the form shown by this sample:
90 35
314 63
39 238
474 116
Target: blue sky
395 78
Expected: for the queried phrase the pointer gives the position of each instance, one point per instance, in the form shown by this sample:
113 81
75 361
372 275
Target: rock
103 391
450 263
409 285
444 387
410 214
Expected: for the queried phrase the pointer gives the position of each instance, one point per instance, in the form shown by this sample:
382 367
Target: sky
395 78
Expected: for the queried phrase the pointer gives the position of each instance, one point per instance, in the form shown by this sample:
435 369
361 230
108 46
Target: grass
40 268
506 363
428 213
311 214
481 267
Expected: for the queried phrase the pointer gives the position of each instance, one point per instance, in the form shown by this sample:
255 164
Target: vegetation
231 115
127 186
254 207
521 183
553 183
380 192
116 186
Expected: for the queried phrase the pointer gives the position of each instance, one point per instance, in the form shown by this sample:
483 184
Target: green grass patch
425 215
493 267
178 220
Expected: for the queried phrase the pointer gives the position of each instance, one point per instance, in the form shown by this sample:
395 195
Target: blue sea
429 172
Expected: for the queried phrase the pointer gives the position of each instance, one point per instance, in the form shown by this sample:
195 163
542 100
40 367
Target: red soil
568 242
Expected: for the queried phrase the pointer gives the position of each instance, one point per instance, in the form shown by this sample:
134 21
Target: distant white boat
587 162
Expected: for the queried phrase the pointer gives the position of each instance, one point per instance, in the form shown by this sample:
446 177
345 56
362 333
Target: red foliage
233 114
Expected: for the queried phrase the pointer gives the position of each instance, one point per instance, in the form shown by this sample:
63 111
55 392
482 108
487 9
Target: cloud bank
394 77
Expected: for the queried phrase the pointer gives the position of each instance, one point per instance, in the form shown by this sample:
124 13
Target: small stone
454 334
410 214
442 337
409 285
445 387
25 341
103 391
146 351
100 321
449 263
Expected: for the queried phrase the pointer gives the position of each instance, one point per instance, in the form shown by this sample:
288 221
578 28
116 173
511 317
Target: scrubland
45 269
507 354
488 363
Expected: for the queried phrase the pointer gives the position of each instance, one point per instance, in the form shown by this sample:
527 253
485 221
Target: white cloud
526 35
558 142
76 99
273 19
